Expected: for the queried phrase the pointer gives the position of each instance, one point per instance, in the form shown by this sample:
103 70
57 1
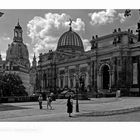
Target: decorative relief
71 71
83 69
101 64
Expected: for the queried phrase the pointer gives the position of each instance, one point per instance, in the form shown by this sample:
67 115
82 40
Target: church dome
70 40
17 50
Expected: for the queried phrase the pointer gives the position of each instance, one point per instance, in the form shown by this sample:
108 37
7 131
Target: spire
70 24
34 61
0 57
18 23
34 57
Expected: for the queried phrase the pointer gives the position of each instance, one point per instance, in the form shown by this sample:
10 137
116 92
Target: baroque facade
113 62
17 58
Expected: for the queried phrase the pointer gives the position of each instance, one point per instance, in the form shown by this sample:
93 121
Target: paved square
29 111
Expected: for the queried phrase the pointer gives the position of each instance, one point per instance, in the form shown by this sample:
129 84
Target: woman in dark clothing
69 106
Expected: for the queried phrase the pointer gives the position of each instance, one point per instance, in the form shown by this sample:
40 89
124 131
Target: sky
42 28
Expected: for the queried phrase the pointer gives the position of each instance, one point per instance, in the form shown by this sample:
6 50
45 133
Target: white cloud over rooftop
106 16
102 17
45 31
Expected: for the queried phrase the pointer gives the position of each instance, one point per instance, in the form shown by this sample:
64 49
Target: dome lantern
18 33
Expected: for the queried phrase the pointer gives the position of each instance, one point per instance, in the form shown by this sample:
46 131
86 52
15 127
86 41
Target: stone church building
17 58
113 62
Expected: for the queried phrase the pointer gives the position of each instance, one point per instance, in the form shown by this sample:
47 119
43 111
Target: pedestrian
69 106
40 99
118 93
49 100
52 96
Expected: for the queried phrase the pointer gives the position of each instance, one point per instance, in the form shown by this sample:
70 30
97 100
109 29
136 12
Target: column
74 81
95 76
99 80
57 78
139 73
89 75
110 79
66 76
59 81
77 73
92 73
113 71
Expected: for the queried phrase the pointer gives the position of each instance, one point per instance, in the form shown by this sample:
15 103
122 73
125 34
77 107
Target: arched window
16 34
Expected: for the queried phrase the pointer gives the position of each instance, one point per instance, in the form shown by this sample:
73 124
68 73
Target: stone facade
113 62
17 58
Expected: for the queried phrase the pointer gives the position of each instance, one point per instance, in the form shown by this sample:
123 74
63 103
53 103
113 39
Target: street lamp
77 90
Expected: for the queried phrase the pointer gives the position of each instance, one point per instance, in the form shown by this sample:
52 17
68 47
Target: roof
70 40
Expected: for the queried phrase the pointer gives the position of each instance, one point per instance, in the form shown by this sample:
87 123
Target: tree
11 85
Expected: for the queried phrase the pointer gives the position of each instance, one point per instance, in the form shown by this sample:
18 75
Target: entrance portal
105 76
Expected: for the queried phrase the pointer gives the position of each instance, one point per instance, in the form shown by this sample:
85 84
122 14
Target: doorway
105 76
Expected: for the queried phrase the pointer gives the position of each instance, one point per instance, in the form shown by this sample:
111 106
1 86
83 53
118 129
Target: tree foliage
11 85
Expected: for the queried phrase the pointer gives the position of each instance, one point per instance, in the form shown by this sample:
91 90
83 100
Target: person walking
69 106
40 99
49 100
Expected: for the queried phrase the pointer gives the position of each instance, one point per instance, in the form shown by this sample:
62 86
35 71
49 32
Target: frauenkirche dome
17 50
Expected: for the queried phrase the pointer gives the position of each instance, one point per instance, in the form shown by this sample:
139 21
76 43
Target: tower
17 56
34 62
18 33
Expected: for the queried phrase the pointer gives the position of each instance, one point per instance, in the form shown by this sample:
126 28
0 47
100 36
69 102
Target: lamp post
77 104
77 90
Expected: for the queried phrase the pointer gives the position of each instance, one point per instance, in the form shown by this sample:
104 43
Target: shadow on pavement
10 107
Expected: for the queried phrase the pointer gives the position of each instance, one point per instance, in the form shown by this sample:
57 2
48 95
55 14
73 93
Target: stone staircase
101 93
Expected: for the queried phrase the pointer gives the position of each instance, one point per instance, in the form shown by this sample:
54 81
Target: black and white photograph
69 65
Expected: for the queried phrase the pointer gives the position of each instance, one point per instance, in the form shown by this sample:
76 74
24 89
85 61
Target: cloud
102 17
122 17
6 38
45 31
3 55
77 25
106 16
87 45
4 41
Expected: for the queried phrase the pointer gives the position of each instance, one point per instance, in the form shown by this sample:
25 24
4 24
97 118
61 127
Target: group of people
48 99
49 106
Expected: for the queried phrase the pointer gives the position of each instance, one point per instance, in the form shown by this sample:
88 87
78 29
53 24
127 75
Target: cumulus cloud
87 45
77 25
106 16
45 31
122 17
102 17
